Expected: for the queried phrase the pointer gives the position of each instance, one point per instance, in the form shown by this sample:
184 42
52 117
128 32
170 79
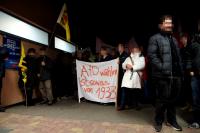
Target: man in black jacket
122 57
44 74
31 72
193 63
166 71
3 55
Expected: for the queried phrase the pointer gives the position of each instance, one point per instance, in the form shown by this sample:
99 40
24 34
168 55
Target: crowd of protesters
166 75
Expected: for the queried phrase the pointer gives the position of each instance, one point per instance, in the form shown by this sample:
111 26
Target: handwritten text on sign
97 81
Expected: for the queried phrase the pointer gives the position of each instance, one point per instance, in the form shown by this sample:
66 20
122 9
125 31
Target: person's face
42 52
120 48
113 53
135 50
31 54
79 55
167 25
184 41
103 52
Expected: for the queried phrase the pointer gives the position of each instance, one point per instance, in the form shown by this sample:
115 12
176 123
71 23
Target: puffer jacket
160 57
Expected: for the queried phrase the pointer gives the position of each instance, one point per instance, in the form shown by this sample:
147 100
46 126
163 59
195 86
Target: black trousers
186 91
167 91
0 87
130 97
134 97
29 96
119 91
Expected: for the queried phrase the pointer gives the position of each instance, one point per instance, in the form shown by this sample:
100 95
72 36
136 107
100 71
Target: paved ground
68 116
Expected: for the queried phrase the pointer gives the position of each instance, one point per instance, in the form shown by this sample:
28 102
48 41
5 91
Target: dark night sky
119 21
112 21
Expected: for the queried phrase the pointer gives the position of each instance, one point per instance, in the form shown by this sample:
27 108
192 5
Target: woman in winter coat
132 79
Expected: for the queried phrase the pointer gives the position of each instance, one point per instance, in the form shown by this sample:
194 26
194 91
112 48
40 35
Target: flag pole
26 98
52 34
54 28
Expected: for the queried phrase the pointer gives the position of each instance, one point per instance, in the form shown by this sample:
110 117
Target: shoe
194 125
31 104
127 107
50 103
2 109
120 108
83 100
158 127
175 126
58 99
185 107
105 104
138 108
44 102
190 109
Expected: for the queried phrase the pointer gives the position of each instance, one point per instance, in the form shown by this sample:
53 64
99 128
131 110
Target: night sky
112 21
119 21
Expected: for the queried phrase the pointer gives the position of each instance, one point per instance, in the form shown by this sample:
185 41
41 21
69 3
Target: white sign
97 81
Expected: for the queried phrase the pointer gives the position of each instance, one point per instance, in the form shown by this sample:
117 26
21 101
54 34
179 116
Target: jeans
195 84
123 99
45 88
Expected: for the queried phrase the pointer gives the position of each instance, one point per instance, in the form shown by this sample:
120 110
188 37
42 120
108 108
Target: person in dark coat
3 55
122 57
186 92
31 72
166 71
193 63
44 72
104 54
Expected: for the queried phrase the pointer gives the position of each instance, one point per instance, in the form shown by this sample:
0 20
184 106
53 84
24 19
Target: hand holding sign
43 63
129 67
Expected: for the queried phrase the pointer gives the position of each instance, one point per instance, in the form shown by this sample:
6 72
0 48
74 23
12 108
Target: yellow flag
64 22
22 63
